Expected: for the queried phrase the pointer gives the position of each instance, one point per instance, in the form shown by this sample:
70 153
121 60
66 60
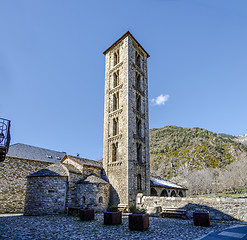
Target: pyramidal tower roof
120 39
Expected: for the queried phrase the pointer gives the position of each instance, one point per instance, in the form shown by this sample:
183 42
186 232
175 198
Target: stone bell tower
126 125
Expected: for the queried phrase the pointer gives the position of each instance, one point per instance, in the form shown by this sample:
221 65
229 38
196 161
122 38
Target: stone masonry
13 172
219 208
126 125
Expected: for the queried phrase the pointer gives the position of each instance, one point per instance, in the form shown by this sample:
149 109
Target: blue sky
52 66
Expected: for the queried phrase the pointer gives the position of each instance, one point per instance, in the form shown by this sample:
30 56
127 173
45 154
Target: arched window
138 59
116 57
180 193
138 103
153 192
164 193
116 79
138 81
139 182
139 152
114 152
100 199
173 194
138 127
115 126
83 199
115 101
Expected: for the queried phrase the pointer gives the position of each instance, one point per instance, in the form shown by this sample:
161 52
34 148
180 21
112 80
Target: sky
52 66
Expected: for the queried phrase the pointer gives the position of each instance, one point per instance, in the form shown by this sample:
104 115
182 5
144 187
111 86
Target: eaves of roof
120 39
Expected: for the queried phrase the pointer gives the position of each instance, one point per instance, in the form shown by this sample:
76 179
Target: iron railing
4 133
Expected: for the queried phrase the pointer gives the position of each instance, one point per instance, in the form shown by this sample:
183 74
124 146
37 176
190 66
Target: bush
133 209
112 209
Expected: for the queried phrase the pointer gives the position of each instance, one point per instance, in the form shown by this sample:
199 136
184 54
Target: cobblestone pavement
66 227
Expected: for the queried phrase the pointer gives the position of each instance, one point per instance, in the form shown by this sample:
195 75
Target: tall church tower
126 125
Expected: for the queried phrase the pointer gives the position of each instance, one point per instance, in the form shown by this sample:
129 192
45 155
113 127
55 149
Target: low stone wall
219 208
13 172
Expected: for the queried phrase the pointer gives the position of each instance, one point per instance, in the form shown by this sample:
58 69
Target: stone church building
42 181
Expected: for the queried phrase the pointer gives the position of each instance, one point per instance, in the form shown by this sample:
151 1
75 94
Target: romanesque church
41 181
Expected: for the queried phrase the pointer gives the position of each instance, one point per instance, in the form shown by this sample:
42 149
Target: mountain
242 139
177 153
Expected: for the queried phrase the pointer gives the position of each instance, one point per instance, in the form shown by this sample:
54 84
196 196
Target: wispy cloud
160 100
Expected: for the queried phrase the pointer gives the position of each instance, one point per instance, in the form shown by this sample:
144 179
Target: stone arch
153 192
164 193
173 193
180 194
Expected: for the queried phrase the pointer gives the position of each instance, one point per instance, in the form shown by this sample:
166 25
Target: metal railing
4 133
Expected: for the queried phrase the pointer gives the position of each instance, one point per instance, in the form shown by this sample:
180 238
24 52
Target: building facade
68 181
126 125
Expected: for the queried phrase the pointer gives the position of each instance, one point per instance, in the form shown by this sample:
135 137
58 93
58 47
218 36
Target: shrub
133 209
112 209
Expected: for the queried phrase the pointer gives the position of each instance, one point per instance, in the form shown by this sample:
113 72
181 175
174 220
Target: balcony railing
4 137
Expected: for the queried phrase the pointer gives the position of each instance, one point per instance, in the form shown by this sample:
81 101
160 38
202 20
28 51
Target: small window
115 127
116 79
139 152
114 152
138 127
100 199
139 182
138 59
115 101
83 199
180 193
138 103
116 57
138 81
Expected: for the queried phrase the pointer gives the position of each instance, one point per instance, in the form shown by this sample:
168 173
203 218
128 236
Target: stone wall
45 195
71 200
93 195
13 182
219 208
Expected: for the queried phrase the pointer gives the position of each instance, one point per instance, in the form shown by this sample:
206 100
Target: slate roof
85 161
44 173
25 151
159 182
93 178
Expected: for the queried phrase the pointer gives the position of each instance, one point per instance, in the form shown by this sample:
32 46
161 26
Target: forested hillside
203 161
